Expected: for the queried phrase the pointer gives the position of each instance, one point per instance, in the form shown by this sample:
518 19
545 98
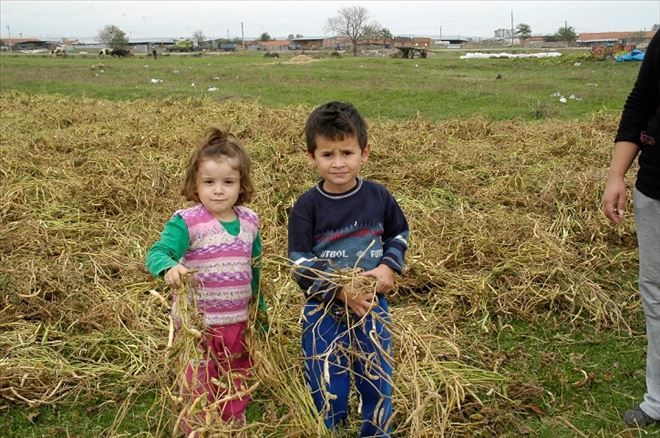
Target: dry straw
504 222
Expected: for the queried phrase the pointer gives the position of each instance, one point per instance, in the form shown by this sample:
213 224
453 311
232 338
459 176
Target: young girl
217 239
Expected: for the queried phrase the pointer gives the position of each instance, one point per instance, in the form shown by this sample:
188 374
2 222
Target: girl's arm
173 243
257 254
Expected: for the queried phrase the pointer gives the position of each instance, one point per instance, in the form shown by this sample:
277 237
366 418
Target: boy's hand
384 277
174 274
360 304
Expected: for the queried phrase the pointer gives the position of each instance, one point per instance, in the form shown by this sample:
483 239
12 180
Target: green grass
436 88
584 375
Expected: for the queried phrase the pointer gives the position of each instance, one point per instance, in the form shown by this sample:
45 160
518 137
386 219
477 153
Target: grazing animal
120 53
499 76
58 51
117 53
271 55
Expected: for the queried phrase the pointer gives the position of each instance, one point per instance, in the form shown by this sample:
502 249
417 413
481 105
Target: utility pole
440 33
9 37
511 27
242 35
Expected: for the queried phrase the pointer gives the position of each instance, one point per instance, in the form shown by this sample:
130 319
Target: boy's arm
173 243
307 268
395 236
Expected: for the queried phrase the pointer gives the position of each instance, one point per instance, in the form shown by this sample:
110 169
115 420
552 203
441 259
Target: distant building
312 43
274 46
18 44
610 38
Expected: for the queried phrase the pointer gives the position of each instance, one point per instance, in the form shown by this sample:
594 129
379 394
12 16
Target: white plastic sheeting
479 55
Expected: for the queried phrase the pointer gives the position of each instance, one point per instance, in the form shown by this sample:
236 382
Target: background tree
290 37
566 34
113 37
199 38
636 38
523 32
385 33
352 23
299 35
655 27
265 37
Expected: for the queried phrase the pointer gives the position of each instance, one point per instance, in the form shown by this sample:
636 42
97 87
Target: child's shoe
637 418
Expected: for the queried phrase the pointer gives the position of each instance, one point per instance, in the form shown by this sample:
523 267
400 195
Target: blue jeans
336 347
647 218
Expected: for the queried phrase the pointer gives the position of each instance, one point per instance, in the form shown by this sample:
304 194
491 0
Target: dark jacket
640 120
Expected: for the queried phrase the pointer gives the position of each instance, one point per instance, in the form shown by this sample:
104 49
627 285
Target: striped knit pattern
222 262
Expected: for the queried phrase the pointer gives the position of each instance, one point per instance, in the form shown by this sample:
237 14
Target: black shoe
637 418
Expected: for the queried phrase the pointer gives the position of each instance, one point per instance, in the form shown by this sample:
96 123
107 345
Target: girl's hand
360 304
384 277
614 199
174 274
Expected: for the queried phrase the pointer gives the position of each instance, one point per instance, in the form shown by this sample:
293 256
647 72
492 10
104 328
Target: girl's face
218 186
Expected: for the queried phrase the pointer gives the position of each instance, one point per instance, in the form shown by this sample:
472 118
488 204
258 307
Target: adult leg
372 363
647 217
324 344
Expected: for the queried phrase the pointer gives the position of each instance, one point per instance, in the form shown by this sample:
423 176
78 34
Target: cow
120 53
117 53
58 51
271 55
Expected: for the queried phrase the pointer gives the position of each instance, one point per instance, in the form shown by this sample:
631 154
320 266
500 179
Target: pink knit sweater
222 262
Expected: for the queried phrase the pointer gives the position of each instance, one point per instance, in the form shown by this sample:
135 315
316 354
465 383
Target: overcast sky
83 19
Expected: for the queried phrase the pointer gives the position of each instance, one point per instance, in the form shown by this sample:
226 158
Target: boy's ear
365 153
310 157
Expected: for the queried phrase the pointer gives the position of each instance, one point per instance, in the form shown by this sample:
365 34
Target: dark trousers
337 347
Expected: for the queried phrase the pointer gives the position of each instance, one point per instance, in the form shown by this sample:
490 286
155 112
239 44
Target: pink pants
224 350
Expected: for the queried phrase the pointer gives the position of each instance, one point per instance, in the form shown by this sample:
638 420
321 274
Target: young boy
343 222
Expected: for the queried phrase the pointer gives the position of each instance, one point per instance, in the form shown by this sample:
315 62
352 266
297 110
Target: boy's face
338 162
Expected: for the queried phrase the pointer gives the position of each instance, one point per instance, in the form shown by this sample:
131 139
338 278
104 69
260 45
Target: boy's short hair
335 121
215 145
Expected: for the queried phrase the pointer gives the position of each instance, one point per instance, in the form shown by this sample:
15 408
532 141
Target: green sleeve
257 253
173 243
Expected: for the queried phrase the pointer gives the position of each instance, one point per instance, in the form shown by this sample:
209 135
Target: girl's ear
365 153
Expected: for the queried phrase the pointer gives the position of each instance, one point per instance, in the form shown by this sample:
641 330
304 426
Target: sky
221 19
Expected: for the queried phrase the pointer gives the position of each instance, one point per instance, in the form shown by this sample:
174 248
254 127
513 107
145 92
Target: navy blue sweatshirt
363 228
641 113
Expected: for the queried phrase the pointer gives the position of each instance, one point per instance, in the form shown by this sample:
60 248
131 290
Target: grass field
437 88
529 295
